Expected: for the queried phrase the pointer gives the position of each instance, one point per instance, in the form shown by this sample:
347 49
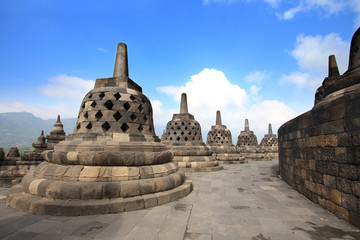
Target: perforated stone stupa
183 135
247 144
219 140
112 162
269 145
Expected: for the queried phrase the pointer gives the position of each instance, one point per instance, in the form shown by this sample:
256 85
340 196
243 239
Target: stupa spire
270 129
58 119
333 67
247 125
183 104
121 68
218 118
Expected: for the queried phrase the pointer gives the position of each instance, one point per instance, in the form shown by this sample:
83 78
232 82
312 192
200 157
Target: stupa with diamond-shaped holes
220 142
183 135
112 162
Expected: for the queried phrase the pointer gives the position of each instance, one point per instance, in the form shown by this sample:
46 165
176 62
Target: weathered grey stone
183 135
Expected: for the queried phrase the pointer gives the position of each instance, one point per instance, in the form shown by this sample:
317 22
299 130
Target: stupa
219 140
247 144
183 135
57 134
269 144
40 145
112 162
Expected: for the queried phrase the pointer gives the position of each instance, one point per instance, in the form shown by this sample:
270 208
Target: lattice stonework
115 112
247 140
219 136
269 142
183 130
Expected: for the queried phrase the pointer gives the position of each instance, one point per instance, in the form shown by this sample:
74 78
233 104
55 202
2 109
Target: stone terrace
244 201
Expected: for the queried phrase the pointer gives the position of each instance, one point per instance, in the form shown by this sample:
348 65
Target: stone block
348 171
129 188
330 206
355 188
91 190
41 190
89 173
116 205
332 169
120 173
350 202
146 186
70 190
163 197
329 181
312 165
343 185
111 189
73 173
341 212
335 196
53 190
150 200
133 203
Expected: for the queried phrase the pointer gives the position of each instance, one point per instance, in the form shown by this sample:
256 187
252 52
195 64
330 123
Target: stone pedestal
219 140
183 135
112 162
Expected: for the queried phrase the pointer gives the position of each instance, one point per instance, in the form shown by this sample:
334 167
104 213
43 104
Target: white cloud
257 77
289 14
312 52
328 6
66 110
302 79
102 50
273 3
254 90
209 91
64 86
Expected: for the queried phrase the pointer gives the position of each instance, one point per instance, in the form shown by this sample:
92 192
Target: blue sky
256 59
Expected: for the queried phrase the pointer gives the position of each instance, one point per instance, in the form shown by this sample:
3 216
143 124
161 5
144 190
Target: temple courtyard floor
245 201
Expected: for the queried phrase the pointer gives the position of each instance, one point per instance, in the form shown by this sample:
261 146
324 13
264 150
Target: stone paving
243 201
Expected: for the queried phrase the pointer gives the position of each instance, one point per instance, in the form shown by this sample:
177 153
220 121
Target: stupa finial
183 104
333 67
58 118
270 129
247 125
121 61
218 118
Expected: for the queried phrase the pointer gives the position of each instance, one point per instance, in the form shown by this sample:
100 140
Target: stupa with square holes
269 145
183 135
220 142
247 144
112 162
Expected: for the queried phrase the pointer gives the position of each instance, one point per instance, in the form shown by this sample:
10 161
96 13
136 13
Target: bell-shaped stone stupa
57 134
247 144
112 162
220 142
269 144
183 135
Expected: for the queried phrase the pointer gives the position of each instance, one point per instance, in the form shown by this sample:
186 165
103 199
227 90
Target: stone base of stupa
54 189
227 155
195 159
76 207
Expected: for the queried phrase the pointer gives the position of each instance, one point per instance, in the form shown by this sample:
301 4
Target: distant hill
21 129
